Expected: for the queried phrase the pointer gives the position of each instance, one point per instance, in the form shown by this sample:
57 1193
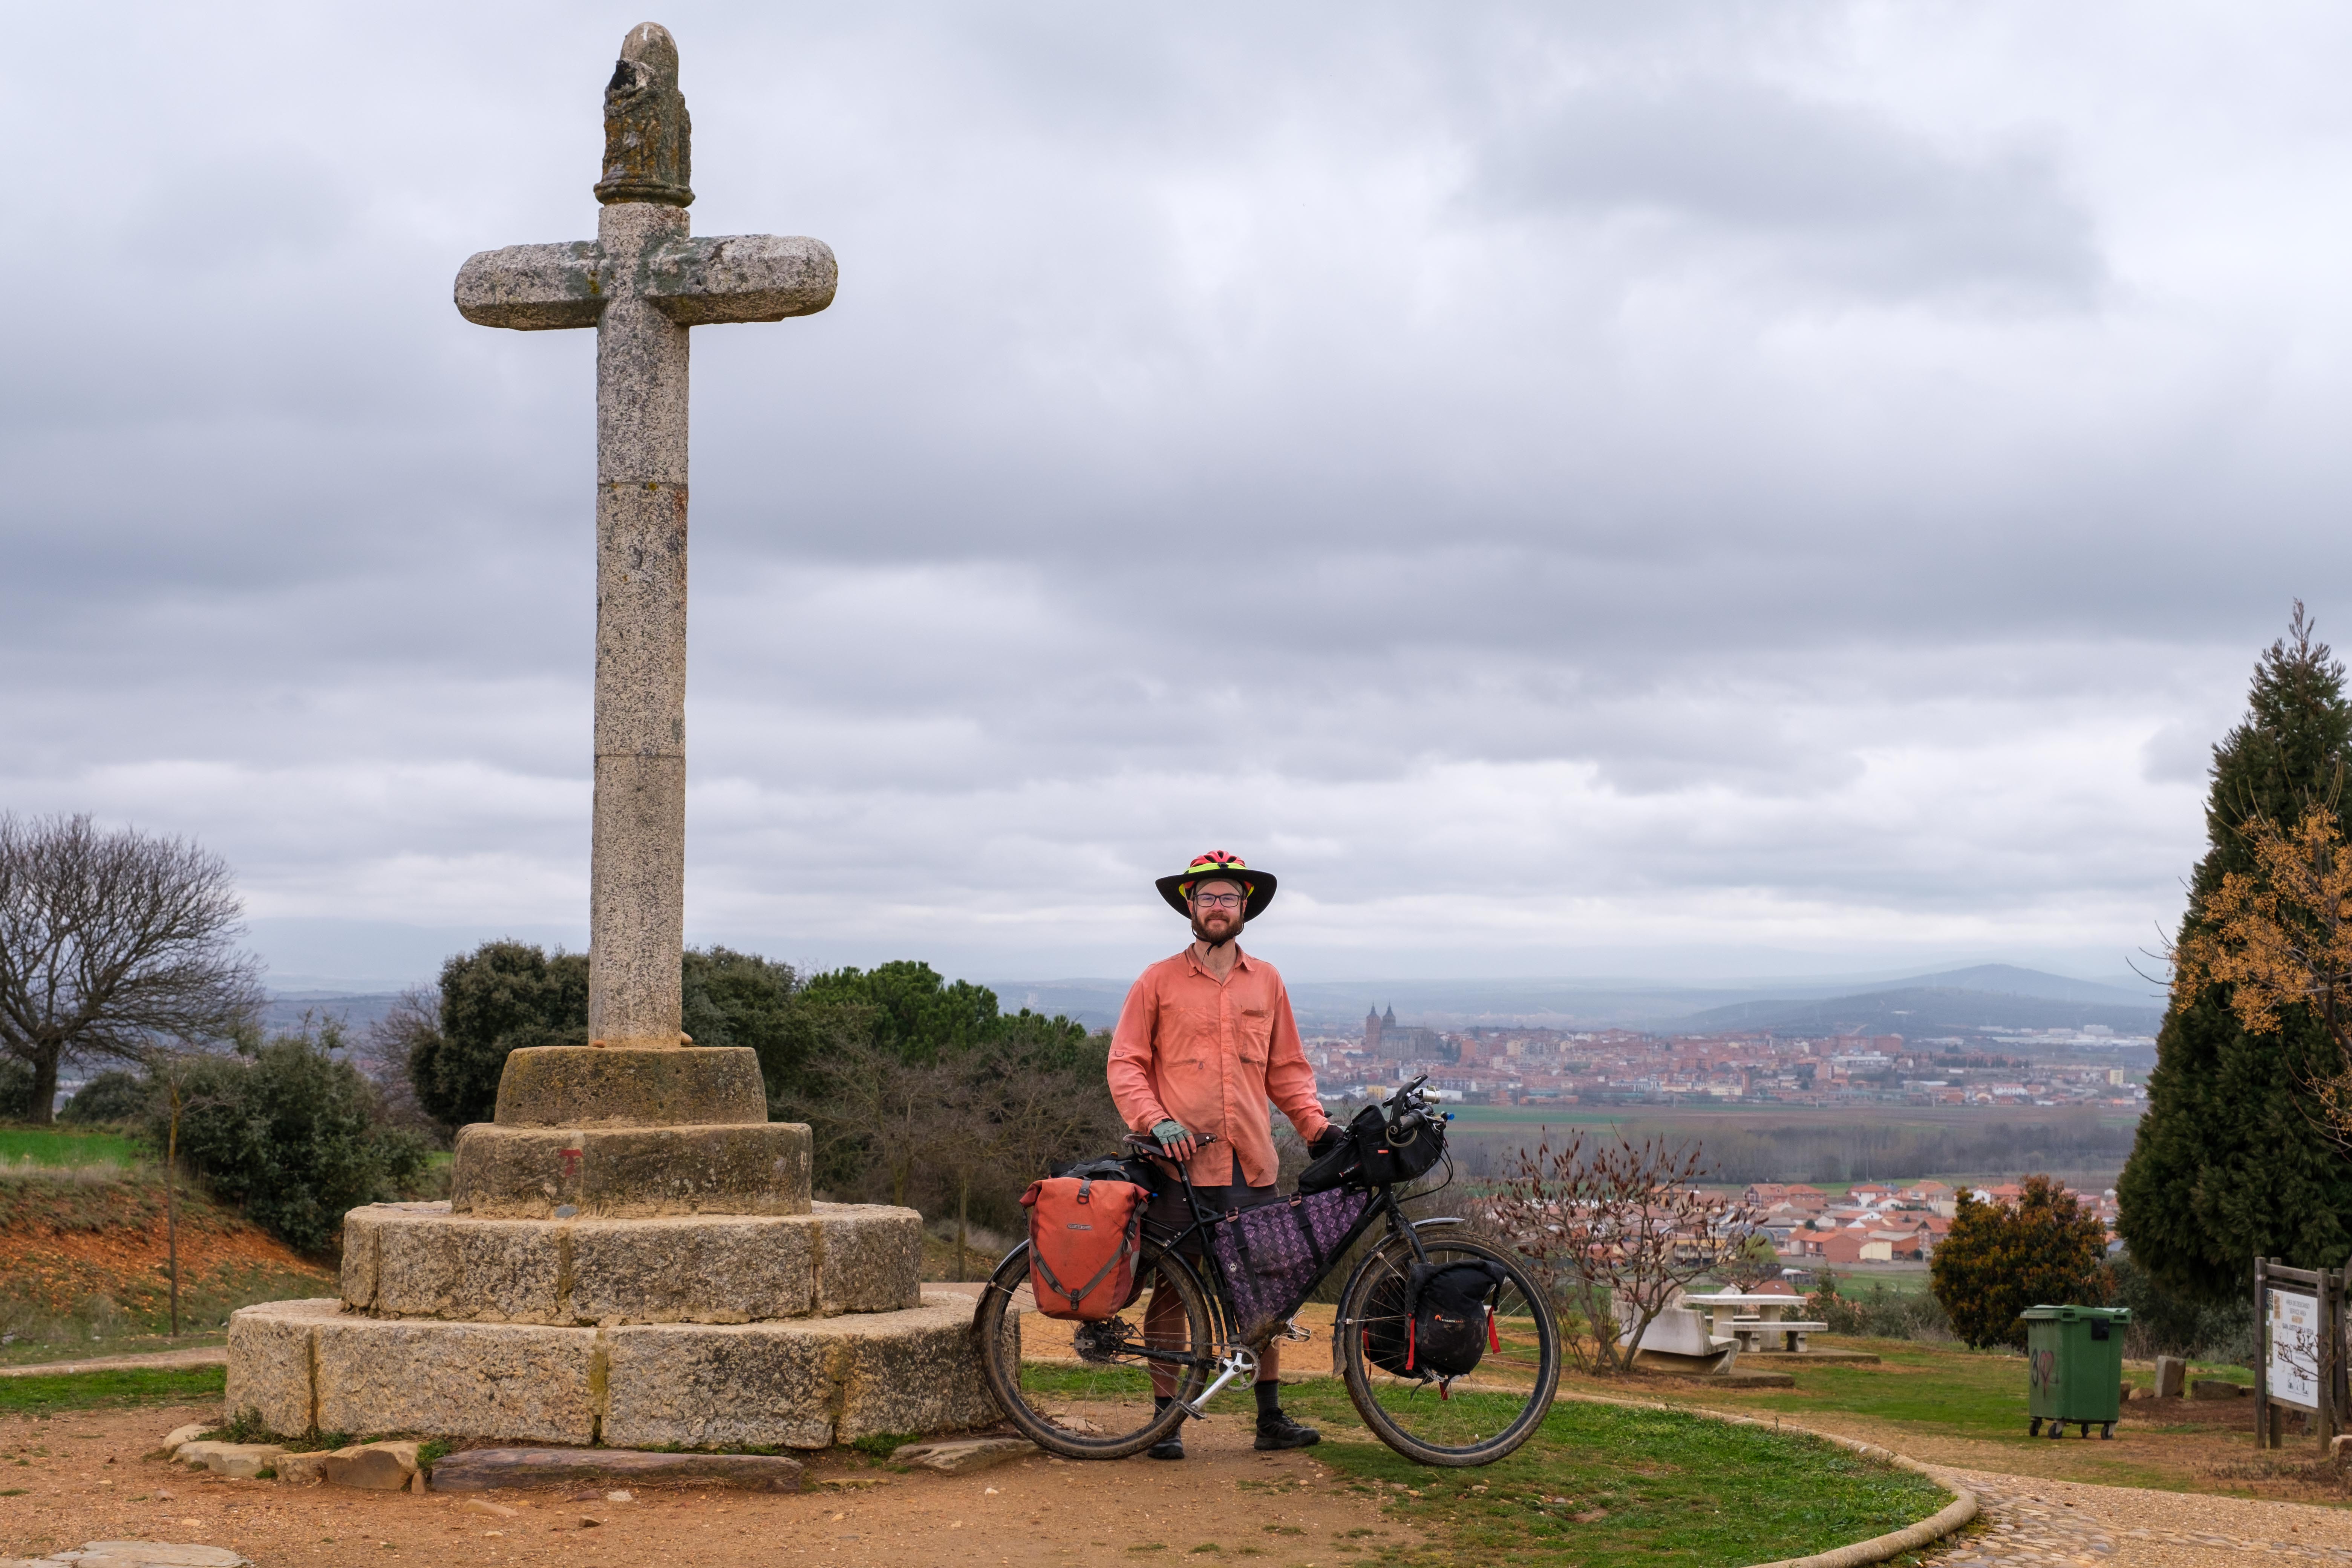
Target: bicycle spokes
1087 1390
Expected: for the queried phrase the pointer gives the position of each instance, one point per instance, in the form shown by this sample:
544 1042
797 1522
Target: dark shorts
1167 1211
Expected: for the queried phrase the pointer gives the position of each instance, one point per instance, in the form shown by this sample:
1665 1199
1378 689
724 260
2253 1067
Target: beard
1217 939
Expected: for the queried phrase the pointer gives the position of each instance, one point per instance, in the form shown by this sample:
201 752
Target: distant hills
1946 1001
1917 1012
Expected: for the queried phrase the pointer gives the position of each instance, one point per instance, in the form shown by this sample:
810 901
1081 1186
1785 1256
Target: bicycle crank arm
1239 1361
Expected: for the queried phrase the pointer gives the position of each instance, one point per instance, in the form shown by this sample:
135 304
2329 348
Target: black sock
1270 1397
1161 1401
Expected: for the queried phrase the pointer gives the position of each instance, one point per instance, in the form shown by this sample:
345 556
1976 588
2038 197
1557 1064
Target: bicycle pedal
1293 1331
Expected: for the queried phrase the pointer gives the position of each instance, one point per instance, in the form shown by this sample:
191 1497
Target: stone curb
202 1355
1878 1548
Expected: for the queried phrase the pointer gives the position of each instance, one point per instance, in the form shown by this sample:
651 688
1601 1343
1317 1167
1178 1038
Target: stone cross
642 282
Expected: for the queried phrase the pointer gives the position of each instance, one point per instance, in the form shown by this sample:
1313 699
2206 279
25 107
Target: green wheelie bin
2075 1368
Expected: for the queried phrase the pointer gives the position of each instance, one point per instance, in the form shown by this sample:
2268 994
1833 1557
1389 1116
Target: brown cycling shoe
1276 1430
1171 1446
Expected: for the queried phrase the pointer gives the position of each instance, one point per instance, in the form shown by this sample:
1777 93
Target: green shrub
286 1134
15 1090
499 998
111 1096
1999 1261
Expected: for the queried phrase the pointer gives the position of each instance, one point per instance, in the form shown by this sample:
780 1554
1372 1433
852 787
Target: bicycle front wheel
1084 1390
1473 1420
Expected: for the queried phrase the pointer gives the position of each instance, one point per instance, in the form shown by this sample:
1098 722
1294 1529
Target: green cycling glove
1169 1133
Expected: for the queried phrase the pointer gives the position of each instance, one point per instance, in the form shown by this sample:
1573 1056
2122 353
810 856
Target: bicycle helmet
1217 866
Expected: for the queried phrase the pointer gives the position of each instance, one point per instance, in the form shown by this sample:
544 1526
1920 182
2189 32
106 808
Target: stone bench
1753 1332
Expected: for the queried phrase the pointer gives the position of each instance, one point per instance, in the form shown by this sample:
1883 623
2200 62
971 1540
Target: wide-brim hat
1216 866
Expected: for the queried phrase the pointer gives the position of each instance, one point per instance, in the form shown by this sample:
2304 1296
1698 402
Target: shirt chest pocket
1256 1035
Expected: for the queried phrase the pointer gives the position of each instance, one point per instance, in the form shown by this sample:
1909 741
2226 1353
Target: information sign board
2291 1367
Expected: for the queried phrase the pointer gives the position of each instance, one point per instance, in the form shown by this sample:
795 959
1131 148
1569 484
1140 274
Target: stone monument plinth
629 1254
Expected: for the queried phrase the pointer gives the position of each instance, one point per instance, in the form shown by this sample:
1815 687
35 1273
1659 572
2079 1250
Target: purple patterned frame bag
1274 1254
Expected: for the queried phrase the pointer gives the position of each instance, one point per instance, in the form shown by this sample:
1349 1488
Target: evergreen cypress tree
2228 1163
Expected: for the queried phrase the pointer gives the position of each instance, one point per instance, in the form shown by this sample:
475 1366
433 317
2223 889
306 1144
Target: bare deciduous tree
385 1050
1618 1231
112 942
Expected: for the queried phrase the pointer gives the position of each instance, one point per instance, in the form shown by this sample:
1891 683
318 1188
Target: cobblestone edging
1952 1516
2029 1525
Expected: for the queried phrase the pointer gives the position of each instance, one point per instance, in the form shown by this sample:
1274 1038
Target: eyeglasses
1217 900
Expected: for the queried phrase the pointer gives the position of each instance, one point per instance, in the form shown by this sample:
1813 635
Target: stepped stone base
556 1172
309 1366
419 1260
581 1085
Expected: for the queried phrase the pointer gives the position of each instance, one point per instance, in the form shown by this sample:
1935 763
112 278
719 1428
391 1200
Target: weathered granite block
927 1379
492 1270
800 1384
519 1172
238 1461
456 1380
720 1386
270 1365
420 1260
870 1259
580 1086
709 1269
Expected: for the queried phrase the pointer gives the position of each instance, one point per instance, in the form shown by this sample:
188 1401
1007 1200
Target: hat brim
1258 885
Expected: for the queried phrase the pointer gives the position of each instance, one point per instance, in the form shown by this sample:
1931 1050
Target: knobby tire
1001 1360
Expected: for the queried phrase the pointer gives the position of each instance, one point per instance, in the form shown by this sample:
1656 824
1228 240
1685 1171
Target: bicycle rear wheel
1084 1390
1473 1420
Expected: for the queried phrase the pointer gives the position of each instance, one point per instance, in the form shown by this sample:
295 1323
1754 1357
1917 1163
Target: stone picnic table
1752 1317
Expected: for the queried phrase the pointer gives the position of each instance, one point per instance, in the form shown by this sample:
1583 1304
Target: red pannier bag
1086 1238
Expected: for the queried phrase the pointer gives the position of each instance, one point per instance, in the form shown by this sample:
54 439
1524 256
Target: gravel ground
2028 1522
87 1476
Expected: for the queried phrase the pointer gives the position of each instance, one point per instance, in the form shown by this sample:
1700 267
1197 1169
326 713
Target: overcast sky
1673 490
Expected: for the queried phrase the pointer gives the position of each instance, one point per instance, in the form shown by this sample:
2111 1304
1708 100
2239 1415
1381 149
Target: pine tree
2229 1163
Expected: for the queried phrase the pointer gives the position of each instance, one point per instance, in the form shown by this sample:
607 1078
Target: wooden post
2266 1423
2323 1420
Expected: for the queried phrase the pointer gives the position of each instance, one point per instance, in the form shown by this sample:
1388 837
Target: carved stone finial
647 135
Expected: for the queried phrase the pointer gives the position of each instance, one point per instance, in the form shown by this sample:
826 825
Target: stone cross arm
694 282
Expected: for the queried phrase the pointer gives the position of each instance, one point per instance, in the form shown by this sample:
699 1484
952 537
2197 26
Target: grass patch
112 1389
1081 1381
1600 1485
1948 1391
43 1146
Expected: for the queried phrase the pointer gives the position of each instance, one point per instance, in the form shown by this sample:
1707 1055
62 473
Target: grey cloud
1858 201
1637 510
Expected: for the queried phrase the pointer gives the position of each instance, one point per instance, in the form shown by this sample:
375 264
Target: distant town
1876 1222
1510 1066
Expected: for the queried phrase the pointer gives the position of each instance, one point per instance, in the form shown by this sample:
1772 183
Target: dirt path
84 1480
199 1355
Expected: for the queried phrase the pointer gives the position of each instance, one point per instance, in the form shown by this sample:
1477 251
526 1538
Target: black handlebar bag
1377 1153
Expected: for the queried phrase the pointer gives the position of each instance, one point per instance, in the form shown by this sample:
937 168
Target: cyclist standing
1205 1042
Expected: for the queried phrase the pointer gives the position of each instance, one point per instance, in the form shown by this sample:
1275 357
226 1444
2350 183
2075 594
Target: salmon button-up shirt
1211 1053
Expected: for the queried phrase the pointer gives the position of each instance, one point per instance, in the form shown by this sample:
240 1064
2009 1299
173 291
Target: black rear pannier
1435 1323
1377 1152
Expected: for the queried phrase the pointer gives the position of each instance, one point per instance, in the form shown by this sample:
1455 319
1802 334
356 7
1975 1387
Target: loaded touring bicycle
1446 1344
